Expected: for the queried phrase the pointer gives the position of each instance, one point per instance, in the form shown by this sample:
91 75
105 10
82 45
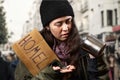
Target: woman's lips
65 35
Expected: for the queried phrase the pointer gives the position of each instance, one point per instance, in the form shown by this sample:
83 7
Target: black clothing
5 72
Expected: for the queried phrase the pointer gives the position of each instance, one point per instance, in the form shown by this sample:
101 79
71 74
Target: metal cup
93 45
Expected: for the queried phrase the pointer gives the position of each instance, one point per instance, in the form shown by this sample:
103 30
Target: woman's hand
66 69
56 68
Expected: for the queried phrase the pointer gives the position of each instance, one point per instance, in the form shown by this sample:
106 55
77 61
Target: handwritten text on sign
34 52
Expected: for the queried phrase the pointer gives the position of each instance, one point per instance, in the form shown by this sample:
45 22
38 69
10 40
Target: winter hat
52 9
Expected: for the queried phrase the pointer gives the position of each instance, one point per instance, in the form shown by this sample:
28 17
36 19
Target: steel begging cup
93 45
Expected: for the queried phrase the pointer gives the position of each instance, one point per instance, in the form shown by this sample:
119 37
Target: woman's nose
65 27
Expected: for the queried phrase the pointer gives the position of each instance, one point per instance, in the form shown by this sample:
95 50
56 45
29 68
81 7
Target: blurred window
115 16
109 17
102 18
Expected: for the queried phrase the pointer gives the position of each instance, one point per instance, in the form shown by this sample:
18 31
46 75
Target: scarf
62 52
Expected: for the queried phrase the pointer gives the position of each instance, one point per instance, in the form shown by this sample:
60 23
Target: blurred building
34 18
1 1
101 18
78 16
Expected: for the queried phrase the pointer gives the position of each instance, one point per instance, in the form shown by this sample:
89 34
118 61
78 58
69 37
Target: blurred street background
98 17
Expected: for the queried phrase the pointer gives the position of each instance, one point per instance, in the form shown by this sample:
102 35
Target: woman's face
60 27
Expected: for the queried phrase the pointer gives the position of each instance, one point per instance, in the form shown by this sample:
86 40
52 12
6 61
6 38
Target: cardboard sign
34 52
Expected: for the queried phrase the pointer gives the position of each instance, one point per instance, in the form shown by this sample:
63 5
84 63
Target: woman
61 34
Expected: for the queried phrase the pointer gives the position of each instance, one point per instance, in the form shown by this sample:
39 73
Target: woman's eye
68 21
58 24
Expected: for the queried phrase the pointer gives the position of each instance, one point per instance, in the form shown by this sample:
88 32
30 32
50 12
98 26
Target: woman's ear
47 27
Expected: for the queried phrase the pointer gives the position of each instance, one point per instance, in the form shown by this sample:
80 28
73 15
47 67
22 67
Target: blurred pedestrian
12 60
111 64
5 71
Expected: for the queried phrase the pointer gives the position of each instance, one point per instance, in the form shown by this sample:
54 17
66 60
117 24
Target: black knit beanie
52 9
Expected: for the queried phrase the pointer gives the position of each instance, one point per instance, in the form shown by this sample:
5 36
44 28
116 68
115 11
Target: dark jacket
5 72
91 69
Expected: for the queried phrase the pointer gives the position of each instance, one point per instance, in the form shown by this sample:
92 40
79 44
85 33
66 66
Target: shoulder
82 52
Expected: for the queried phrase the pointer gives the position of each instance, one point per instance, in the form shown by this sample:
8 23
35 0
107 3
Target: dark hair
73 40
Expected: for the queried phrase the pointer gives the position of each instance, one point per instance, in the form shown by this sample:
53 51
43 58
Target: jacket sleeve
102 68
22 73
98 67
92 69
49 74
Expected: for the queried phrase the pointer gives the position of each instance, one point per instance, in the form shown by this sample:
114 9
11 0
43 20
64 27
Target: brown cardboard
34 52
